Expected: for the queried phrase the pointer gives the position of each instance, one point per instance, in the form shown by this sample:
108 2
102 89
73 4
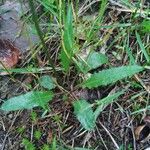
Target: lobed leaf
83 111
27 101
85 114
112 75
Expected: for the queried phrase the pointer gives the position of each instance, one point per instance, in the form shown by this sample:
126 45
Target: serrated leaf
103 103
67 41
112 75
83 111
27 101
47 82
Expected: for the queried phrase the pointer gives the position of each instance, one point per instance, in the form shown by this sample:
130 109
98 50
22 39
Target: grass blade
147 57
67 41
49 6
129 51
103 103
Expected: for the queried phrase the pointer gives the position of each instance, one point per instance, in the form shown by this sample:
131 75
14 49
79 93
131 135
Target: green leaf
147 57
28 145
67 41
65 61
93 61
129 51
48 5
37 134
96 59
145 26
112 75
27 101
47 82
83 111
53 144
103 103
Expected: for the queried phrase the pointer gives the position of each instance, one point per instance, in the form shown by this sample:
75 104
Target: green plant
28 145
28 101
37 134
47 79
70 58
45 147
145 26
144 51
34 116
85 113
21 129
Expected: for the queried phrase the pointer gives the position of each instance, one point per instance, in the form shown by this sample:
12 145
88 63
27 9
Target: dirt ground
115 126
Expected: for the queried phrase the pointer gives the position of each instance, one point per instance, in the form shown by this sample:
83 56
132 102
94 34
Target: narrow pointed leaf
145 53
112 75
67 41
27 101
83 111
103 103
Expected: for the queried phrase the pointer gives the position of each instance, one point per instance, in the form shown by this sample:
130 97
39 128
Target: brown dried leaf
142 133
9 55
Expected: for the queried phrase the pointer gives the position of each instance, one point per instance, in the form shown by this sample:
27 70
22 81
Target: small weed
20 130
145 26
84 53
37 134
45 147
34 116
28 145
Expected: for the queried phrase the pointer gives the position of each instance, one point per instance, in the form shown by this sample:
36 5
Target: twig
84 9
3 145
101 138
116 3
142 83
143 13
35 19
115 143
134 140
